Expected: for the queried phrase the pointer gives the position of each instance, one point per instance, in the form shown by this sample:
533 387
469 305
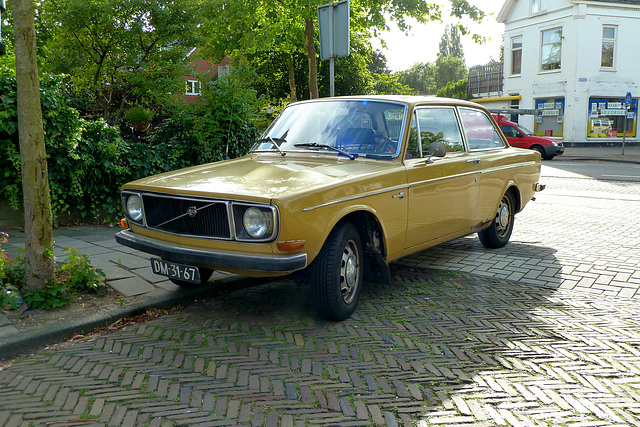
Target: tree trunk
38 221
309 36
292 81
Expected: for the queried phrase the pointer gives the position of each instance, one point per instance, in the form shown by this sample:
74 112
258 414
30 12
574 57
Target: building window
551 52
607 118
549 117
224 70
516 55
194 87
538 6
608 46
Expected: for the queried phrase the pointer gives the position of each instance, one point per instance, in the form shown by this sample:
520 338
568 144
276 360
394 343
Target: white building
573 62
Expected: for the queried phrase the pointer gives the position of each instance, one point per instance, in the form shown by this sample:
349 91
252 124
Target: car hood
540 140
262 177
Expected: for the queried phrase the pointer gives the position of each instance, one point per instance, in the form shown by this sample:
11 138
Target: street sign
627 99
333 29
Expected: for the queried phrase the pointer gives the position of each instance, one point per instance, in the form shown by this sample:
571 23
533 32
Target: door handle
398 196
476 161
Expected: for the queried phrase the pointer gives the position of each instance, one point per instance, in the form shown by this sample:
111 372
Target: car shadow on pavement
441 346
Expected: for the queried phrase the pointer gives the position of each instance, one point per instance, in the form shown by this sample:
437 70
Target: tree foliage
121 51
450 44
261 27
455 89
448 69
420 77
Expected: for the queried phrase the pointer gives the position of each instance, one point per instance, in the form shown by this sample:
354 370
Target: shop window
551 50
549 117
608 46
516 55
609 118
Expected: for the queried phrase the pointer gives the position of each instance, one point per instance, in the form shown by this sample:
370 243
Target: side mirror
438 149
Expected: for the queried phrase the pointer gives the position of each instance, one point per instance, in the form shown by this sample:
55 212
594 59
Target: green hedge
88 161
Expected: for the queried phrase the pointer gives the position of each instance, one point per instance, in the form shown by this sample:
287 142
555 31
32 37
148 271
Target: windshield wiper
351 156
275 144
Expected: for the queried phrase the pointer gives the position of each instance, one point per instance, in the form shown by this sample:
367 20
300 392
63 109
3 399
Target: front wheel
336 274
205 275
498 233
539 150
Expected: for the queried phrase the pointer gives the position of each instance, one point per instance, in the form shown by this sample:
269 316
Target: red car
521 137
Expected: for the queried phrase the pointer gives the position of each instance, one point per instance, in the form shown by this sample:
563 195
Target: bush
72 277
139 114
220 126
88 161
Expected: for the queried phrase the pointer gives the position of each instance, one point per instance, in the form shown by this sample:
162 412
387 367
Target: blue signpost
627 104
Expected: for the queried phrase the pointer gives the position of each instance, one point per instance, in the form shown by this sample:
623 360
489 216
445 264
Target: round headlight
255 223
134 207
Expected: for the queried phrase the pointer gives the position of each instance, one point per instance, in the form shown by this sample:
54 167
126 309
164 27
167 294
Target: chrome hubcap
503 217
349 272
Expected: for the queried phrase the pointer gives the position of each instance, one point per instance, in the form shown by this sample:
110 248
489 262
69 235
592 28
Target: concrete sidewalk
129 272
611 154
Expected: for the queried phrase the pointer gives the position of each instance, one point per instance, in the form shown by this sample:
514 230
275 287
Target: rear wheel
205 275
336 274
498 233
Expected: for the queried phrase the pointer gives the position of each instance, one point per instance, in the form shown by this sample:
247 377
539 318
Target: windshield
346 127
525 130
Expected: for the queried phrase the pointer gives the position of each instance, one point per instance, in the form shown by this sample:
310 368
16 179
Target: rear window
479 129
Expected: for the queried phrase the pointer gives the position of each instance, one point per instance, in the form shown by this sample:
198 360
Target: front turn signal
124 223
291 246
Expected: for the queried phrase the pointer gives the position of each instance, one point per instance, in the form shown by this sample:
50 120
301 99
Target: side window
509 131
433 125
481 134
414 149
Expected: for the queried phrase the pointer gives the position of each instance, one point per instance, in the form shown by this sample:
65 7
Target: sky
421 45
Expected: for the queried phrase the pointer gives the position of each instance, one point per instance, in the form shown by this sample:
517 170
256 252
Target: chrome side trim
356 197
501 168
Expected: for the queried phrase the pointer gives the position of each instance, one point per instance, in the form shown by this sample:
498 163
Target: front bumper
212 258
552 150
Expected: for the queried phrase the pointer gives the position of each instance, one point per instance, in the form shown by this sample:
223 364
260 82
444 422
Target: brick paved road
467 346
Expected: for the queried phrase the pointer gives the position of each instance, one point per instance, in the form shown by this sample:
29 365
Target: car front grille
185 216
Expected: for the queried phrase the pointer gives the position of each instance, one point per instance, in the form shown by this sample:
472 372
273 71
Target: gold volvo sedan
337 187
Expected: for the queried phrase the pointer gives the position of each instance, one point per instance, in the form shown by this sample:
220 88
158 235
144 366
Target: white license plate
186 273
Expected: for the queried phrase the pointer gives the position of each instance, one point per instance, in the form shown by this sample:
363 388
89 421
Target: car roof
410 100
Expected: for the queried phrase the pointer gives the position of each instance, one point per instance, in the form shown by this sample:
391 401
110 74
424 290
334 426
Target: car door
515 138
442 192
487 147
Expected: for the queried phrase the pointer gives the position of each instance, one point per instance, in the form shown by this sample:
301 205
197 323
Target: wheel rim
503 217
349 272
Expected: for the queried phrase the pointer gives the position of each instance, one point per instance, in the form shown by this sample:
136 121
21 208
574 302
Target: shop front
609 118
549 117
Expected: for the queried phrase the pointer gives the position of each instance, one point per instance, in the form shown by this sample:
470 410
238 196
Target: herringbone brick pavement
431 348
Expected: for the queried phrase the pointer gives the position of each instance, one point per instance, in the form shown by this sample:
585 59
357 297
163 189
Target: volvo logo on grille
192 211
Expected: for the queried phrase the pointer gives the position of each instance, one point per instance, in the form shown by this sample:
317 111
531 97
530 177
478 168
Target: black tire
547 157
205 275
498 233
336 274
